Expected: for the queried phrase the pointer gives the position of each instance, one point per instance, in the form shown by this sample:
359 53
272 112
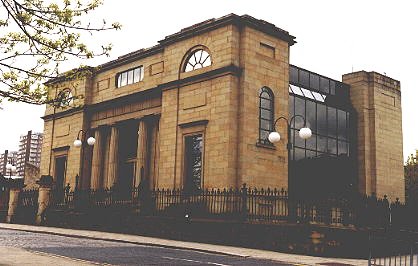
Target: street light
304 133
274 137
11 168
81 136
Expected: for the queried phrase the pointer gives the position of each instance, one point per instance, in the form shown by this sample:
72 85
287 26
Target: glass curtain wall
323 164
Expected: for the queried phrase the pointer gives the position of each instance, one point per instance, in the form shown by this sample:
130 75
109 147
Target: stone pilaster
155 155
141 152
112 171
96 168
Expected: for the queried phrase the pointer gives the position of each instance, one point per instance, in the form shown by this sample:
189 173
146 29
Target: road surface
116 253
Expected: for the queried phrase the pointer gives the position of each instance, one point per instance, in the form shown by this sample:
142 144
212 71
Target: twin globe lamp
90 142
11 168
304 133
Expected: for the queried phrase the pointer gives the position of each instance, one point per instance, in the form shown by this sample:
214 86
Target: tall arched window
266 115
197 59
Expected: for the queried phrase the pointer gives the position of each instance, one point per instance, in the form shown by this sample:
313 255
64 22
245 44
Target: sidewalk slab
14 256
218 249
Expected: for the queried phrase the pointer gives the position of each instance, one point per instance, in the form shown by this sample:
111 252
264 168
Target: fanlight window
199 59
65 98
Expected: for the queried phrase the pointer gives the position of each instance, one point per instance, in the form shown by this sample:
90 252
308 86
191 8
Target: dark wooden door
60 169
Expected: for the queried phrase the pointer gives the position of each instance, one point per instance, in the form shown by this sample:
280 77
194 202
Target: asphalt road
116 253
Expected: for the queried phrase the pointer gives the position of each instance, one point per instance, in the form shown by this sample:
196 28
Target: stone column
112 168
156 155
141 152
153 154
45 186
96 161
15 186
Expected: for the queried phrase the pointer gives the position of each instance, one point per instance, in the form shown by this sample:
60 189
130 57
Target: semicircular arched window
65 98
266 115
198 59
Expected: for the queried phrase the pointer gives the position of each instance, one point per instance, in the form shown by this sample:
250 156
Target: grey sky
333 38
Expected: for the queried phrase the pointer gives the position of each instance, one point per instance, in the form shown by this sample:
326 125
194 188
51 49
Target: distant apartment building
5 158
30 146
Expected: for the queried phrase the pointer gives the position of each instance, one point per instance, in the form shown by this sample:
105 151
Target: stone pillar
43 203
96 168
15 186
141 152
156 157
153 153
13 203
112 168
45 187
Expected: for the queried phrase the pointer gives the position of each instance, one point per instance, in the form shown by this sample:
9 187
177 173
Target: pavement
19 256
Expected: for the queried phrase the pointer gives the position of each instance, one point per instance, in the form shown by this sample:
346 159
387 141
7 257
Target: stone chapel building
195 111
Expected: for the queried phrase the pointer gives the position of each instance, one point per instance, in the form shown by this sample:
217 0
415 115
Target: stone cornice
190 32
63 113
240 21
194 123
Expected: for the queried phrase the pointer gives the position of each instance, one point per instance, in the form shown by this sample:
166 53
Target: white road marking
198 261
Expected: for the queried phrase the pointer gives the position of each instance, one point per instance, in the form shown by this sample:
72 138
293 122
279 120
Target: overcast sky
333 38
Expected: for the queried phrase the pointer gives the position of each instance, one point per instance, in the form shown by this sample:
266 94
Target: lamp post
274 137
81 137
304 133
11 168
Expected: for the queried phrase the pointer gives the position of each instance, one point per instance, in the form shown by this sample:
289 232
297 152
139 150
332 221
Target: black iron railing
245 204
395 247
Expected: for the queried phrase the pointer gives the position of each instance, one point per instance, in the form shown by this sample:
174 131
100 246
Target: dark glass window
314 82
294 75
266 114
321 165
304 78
342 148
130 76
311 142
299 142
332 122
291 105
332 87
332 146
299 110
311 115
342 125
310 154
324 85
193 162
299 154
322 143
321 119
314 97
